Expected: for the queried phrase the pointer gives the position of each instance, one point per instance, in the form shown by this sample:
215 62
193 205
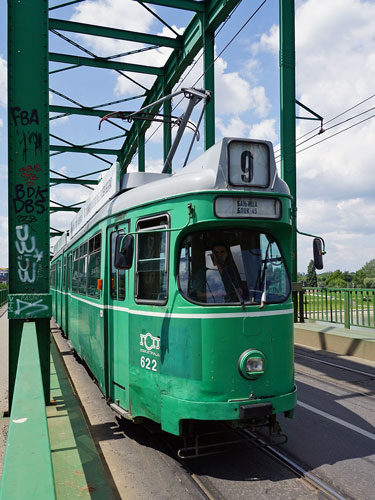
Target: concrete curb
358 343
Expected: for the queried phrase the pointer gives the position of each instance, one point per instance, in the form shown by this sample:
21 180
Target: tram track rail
336 365
206 490
306 477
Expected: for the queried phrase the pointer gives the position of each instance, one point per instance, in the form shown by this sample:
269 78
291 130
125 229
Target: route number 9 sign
248 164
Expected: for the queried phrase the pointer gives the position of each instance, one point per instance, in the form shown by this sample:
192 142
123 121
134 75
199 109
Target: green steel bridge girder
104 64
64 209
56 180
180 4
85 111
207 21
200 33
83 149
119 34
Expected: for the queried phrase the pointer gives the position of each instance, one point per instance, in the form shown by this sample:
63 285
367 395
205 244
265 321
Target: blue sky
335 53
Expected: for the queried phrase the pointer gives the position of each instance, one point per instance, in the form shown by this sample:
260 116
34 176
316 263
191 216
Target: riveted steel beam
56 180
82 149
288 114
104 63
179 4
69 110
28 179
118 34
216 12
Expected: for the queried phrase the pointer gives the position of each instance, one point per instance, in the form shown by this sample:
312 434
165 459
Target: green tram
177 295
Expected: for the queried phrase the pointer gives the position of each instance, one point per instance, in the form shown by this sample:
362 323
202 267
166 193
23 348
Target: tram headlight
251 363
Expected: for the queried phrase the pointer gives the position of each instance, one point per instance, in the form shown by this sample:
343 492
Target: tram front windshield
232 267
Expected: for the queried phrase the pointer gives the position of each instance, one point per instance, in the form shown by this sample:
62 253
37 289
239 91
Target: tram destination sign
247 207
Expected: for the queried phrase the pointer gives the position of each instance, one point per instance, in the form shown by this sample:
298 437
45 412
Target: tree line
363 278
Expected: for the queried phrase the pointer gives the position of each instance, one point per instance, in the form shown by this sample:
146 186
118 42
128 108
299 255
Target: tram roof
207 172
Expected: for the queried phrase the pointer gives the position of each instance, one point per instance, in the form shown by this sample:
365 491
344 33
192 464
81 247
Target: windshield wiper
239 296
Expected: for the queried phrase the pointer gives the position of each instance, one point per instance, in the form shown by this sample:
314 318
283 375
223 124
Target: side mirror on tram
124 251
318 253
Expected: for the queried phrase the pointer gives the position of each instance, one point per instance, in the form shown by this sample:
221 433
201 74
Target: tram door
118 324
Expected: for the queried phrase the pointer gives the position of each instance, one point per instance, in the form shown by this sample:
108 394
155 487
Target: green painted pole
167 131
27 471
28 147
141 153
288 114
209 83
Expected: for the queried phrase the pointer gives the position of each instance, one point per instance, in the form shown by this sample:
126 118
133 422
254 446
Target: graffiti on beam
28 254
29 306
28 173
30 199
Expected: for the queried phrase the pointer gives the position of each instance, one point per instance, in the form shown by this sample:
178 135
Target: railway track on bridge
205 489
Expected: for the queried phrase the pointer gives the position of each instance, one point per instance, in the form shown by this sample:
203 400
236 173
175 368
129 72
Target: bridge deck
78 466
78 469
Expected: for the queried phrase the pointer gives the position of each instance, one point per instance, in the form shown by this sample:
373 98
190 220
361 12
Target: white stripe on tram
255 314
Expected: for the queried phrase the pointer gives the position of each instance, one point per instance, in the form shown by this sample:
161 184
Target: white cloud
235 127
335 69
3 171
127 15
123 14
69 194
3 241
264 130
3 82
152 165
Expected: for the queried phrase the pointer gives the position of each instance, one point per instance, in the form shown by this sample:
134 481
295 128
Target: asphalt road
332 435
333 432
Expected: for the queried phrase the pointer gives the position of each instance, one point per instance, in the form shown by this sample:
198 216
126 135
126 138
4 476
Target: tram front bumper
173 410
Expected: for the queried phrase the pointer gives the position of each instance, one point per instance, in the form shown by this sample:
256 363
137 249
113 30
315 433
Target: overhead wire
333 135
329 121
329 128
220 53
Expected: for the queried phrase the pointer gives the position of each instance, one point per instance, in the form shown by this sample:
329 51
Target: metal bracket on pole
317 117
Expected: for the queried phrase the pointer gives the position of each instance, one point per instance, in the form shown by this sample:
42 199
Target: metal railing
3 296
27 471
347 306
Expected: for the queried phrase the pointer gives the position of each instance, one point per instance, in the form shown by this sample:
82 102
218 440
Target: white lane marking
337 420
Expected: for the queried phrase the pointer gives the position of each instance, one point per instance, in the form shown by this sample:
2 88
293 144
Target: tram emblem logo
149 341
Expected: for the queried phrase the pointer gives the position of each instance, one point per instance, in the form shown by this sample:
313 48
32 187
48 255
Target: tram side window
151 266
64 274
79 278
58 280
52 276
93 273
70 271
117 284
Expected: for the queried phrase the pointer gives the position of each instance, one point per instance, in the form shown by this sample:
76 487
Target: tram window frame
94 248
147 225
64 272
117 287
188 292
79 284
69 277
52 278
58 274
